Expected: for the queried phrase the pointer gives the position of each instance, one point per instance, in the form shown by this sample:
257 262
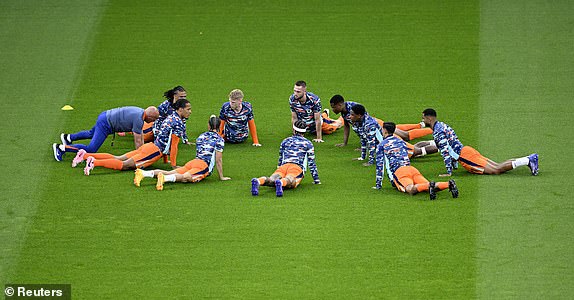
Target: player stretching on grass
295 153
128 118
392 155
306 106
237 120
453 151
171 131
209 153
406 132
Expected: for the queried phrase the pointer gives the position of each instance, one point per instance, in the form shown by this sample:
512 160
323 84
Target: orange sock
283 182
261 180
442 185
423 187
407 127
100 155
115 164
417 133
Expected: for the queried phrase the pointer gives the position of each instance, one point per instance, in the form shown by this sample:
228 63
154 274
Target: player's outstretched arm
219 165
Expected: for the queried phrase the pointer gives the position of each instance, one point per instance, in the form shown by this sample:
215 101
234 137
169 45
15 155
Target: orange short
472 160
291 170
407 175
329 125
197 168
145 155
147 131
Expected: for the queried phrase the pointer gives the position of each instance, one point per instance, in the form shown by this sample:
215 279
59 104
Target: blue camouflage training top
300 151
236 129
371 134
165 109
392 153
305 111
206 145
447 143
171 125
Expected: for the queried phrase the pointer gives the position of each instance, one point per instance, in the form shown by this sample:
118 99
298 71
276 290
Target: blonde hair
236 94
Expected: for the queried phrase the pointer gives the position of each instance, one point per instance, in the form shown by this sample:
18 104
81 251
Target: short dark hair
429 112
171 93
389 127
181 103
301 83
337 99
214 123
359 109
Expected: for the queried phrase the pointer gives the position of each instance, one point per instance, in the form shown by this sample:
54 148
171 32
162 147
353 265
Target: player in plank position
209 154
295 154
392 156
405 131
453 151
166 142
237 120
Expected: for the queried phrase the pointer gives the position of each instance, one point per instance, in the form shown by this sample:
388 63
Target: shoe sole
89 166
452 188
55 149
432 191
79 158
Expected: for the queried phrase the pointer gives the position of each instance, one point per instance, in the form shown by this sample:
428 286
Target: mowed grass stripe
525 222
42 49
213 239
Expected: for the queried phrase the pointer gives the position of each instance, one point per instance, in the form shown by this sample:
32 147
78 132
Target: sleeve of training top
440 138
380 166
253 131
164 108
363 146
372 144
281 149
311 163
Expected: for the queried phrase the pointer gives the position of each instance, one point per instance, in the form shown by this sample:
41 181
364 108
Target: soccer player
306 106
128 118
237 120
453 151
392 155
405 131
166 108
369 132
295 154
209 153
171 131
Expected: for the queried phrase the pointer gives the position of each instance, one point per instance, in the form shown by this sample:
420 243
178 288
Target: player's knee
187 178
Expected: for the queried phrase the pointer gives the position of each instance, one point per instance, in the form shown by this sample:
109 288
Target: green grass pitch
500 73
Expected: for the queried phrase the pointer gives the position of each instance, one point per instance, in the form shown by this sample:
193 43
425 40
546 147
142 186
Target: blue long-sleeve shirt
448 144
371 135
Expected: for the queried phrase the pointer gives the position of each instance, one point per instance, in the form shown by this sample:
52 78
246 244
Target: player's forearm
138 140
219 166
318 129
346 132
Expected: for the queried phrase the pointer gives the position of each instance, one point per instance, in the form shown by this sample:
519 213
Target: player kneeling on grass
392 155
209 149
295 153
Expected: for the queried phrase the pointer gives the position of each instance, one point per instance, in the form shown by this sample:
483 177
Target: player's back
294 150
396 152
206 145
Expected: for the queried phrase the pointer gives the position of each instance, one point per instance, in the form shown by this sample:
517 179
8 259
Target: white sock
423 125
432 143
147 174
424 151
523 161
169 178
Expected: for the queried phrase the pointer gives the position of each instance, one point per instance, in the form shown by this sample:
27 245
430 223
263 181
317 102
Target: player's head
299 127
389 128
183 108
299 89
235 98
429 116
175 94
337 103
357 112
151 114
213 123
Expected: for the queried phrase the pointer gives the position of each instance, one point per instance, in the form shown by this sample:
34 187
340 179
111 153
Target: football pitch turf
499 72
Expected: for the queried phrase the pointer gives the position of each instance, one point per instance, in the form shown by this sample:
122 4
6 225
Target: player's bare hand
318 141
358 158
444 175
256 145
357 149
340 145
367 164
224 178
191 143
